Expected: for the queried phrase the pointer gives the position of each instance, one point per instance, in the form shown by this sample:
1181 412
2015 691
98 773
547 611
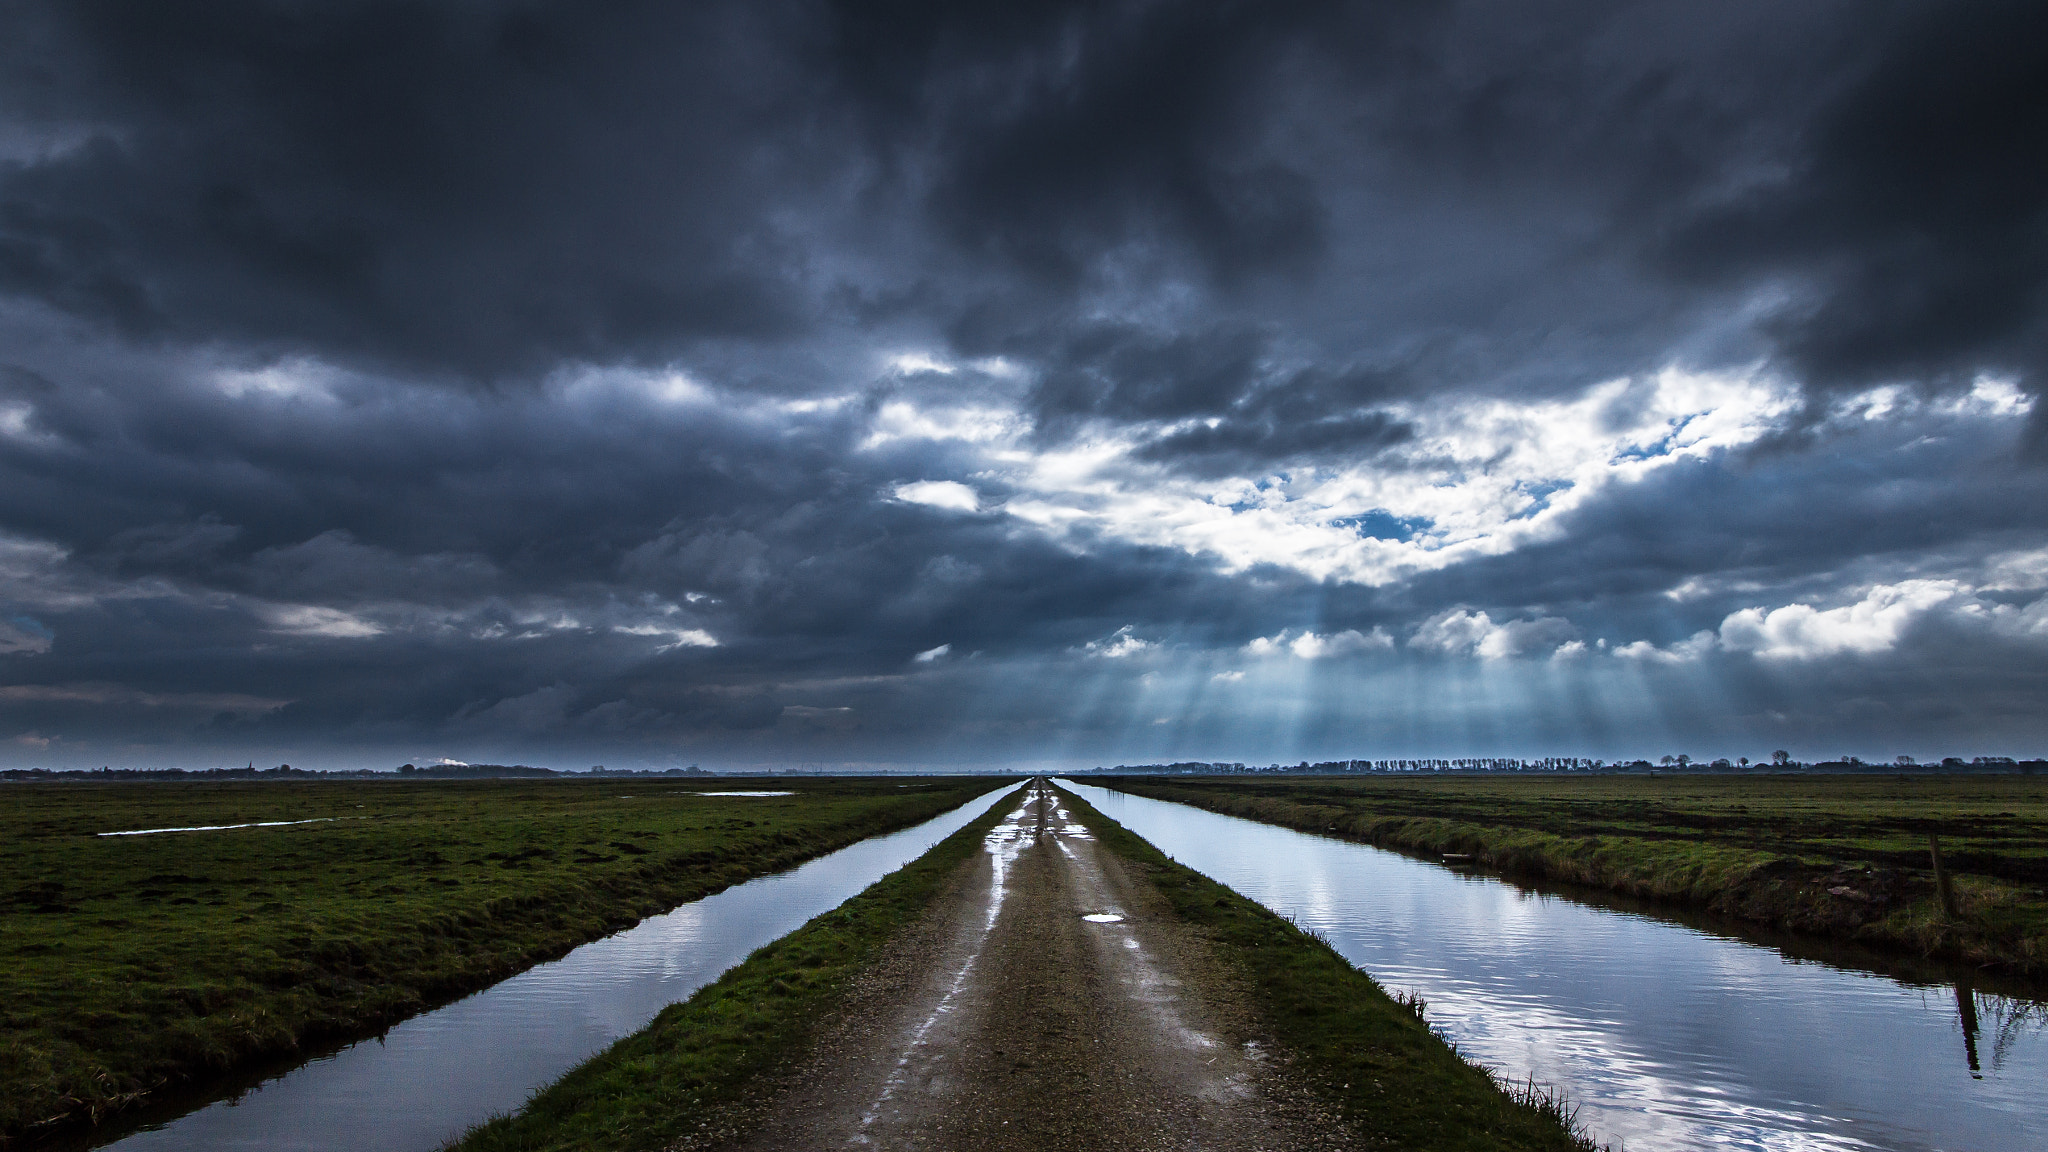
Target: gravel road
1049 1000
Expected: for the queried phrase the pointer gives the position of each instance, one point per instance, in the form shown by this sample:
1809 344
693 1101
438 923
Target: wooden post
1942 884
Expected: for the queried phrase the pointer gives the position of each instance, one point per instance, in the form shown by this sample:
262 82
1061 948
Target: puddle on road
1003 843
1103 918
742 793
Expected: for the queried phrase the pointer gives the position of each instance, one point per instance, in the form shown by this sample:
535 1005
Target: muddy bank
1876 905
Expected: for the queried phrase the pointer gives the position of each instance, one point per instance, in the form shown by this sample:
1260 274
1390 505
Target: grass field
1841 856
130 965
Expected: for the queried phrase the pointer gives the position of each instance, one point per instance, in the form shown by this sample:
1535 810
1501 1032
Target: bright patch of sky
1478 478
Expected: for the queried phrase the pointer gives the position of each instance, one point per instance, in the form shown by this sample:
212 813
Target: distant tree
1683 760
1667 761
1781 758
1744 760
1906 762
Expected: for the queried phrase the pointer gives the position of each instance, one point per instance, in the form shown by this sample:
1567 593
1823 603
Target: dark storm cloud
481 189
1125 372
492 189
532 566
375 372
1916 210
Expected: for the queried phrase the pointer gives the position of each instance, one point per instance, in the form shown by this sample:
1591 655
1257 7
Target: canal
435 1075
1667 1035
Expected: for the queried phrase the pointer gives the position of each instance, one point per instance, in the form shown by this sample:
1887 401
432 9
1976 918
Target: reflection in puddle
1103 918
1003 843
743 793
1666 1036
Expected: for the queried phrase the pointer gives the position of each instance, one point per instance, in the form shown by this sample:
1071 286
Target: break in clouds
798 383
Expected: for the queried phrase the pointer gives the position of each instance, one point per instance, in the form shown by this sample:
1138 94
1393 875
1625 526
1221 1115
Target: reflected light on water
431 1077
1667 1037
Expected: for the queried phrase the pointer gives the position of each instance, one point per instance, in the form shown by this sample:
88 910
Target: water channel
433 1076
1669 1036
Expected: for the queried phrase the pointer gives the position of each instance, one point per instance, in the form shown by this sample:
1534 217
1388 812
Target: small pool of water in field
433 1076
743 793
1669 1036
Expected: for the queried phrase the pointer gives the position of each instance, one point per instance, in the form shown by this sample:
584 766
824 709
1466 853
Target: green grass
1396 1081
686 1072
132 965
1841 857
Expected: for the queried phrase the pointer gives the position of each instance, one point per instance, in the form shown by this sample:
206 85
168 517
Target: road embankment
1865 898
1041 979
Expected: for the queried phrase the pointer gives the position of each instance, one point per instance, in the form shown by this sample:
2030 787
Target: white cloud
940 494
1458 632
1877 621
1231 677
313 620
910 363
1686 651
1872 624
1477 478
930 654
296 378
1318 645
967 423
676 637
2023 571
1118 644
14 420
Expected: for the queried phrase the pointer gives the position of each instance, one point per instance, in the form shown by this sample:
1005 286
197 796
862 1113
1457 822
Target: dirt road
1050 1000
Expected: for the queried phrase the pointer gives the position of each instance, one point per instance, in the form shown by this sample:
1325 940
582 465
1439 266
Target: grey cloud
352 312
1911 220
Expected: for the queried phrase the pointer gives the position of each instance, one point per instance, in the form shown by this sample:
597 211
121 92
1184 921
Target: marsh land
287 914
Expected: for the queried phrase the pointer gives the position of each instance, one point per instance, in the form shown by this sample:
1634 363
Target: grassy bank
690 1069
1397 1082
1841 857
133 965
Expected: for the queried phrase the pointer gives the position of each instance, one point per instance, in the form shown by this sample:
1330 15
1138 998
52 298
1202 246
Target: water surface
1668 1036
433 1076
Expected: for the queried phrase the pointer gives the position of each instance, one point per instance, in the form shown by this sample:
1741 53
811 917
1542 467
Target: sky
916 385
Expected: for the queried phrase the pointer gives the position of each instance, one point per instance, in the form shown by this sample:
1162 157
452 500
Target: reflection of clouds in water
1667 1036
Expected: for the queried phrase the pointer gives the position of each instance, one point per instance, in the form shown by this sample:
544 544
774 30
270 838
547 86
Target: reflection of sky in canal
1667 1036
436 1074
